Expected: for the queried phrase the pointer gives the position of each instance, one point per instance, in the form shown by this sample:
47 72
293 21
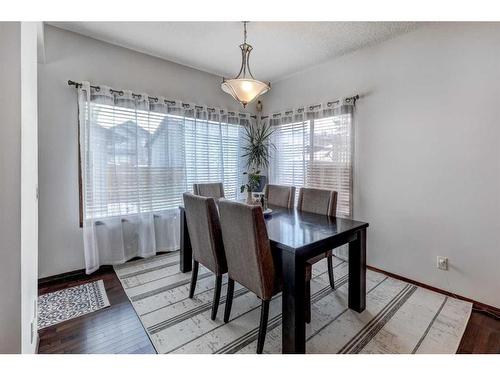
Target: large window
138 155
143 161
316 153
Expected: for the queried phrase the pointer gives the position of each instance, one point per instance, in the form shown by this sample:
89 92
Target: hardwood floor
482 335
117 329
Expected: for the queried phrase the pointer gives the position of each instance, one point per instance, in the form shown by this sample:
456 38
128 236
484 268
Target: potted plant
253 182
256 151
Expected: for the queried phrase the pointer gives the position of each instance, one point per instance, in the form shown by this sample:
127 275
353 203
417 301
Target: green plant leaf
257 144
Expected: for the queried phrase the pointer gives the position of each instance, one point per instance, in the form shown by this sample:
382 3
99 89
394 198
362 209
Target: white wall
75 57
10 187
29 181
427 174
18 171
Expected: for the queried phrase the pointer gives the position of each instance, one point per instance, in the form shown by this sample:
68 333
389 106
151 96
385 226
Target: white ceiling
280 48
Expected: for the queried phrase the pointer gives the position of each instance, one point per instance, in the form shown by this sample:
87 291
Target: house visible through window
143 161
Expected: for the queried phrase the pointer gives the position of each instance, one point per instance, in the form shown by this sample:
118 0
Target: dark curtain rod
153 98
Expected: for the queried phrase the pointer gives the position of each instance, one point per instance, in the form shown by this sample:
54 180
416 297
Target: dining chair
249 258
280 195
323 202
213 190
206 241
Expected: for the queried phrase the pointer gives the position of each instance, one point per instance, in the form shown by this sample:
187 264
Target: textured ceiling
280 48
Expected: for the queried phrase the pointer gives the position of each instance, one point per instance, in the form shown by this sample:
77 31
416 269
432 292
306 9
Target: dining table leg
293 304
186 252
357 272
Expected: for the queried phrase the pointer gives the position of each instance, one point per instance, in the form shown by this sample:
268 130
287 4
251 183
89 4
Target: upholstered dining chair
323 202
249 258
280 195
213 190
206 241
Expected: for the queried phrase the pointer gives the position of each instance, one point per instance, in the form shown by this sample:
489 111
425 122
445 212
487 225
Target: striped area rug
399 317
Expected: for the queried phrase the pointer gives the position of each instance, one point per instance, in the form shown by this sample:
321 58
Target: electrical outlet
442 263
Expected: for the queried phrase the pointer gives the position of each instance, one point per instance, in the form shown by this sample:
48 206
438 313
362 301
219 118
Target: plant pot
249 197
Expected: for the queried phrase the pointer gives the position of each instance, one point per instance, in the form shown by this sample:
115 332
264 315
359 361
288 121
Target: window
316 153
213 154
292 143
143 161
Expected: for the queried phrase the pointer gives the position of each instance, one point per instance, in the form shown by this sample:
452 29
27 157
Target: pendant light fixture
244 88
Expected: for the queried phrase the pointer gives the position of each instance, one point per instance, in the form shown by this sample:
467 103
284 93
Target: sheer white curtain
314 148
138 155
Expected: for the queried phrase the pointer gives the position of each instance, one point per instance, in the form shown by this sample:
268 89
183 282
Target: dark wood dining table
296 237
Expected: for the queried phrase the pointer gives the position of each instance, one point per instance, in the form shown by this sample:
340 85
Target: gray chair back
280 195
317 201
213 190
205 232
248 252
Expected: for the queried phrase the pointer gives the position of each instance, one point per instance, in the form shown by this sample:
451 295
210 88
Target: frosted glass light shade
244 90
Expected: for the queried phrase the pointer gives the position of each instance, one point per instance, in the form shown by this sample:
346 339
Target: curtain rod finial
73 83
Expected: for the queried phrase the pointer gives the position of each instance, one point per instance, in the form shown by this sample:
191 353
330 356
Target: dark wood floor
482 335
117 329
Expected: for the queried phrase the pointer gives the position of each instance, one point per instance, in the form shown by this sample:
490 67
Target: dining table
296 236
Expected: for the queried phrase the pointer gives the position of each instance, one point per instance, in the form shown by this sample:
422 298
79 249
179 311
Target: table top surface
291 229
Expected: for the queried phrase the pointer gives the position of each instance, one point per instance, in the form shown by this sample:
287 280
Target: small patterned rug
399 317
69 303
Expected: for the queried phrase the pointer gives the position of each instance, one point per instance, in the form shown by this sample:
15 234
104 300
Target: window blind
288 164
143 161
329 165
212 154
316 153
